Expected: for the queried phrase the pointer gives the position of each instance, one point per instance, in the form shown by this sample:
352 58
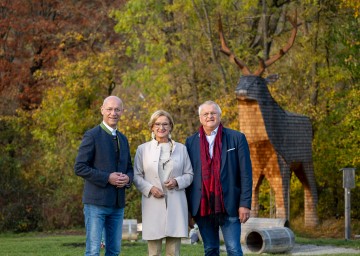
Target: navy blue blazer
95 161
235 173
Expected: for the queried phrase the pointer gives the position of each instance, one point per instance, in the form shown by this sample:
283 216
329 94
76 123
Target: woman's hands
170 183
156 192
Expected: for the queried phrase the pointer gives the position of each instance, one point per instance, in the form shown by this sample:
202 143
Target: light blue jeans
210 235
96 219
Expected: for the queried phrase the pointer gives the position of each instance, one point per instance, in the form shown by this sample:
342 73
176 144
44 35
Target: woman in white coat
162 171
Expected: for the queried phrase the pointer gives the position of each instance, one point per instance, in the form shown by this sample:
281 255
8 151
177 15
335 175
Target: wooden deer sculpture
279 141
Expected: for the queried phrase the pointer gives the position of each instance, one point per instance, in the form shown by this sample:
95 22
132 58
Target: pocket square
230 149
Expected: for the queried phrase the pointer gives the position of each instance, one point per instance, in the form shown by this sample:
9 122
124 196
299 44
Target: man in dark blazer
104 162
220 195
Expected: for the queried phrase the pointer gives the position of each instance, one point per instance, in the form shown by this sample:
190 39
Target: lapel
197 149
102 125
223 149
154 150
109 132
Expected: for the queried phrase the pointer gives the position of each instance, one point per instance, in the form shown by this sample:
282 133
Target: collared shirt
211 139
112 130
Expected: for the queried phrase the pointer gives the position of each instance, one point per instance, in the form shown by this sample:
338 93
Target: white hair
210 102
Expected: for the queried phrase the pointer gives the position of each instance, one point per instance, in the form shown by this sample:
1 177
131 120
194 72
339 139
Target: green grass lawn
70 245
41 244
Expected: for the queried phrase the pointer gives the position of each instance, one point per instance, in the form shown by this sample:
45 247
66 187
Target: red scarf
212 202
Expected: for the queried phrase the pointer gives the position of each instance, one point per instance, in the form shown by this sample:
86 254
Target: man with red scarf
220 195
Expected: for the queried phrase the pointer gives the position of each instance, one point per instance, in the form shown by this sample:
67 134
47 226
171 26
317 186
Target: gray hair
210 102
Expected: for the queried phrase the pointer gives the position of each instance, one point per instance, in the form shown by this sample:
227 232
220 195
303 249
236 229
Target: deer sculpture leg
305 175
255 207
265 164
274 176
259 160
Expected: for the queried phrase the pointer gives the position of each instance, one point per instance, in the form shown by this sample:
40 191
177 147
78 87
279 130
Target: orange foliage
33 34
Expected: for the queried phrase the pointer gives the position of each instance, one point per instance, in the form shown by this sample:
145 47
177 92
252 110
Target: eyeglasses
117 110
205 115
158 125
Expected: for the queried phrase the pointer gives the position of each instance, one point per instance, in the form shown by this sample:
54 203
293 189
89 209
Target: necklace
171 150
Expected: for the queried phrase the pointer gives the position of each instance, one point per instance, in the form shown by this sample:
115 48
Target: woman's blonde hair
159 113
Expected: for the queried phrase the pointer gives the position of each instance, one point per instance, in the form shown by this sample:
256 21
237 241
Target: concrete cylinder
270 240
259 223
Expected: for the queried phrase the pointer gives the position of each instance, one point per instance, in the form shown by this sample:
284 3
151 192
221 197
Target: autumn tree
33 34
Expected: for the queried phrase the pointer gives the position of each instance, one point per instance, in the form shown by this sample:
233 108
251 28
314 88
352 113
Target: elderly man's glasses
208 114
117 110
158 125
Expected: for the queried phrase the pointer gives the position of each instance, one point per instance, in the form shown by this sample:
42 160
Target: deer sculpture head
251 83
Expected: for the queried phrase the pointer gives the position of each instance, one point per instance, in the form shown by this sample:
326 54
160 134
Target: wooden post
348 184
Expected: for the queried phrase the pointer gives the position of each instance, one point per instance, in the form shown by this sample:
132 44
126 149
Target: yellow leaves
69 39
352 4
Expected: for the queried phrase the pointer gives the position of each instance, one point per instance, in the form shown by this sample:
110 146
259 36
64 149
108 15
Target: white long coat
159 220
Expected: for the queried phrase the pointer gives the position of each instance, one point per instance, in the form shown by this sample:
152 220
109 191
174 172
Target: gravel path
319 250
301 249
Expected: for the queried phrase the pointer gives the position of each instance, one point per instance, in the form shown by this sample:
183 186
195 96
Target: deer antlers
263 64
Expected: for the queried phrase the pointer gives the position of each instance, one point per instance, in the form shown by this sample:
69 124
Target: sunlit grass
70 245
73 243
